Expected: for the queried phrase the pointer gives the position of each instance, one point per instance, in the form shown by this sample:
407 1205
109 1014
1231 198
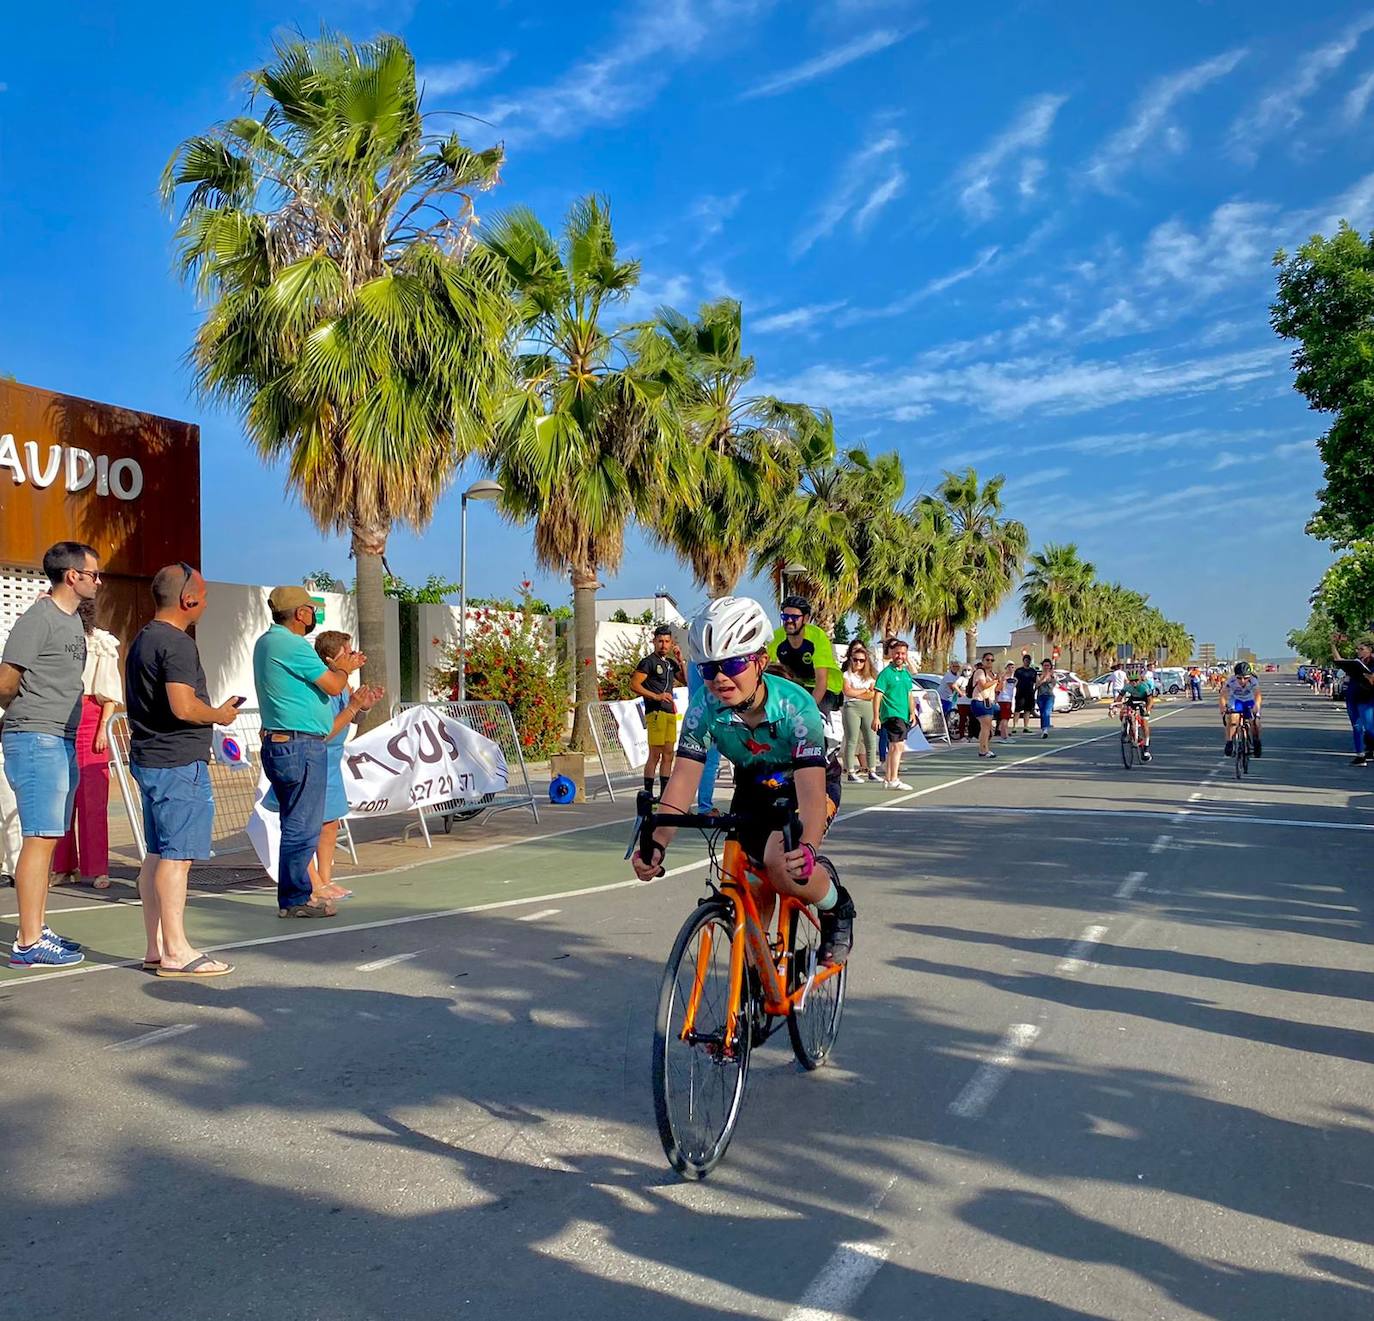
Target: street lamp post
483 490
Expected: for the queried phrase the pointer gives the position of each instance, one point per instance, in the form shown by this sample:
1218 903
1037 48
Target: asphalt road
1106 1054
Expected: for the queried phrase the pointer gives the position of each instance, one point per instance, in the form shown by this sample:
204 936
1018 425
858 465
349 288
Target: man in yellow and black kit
806 655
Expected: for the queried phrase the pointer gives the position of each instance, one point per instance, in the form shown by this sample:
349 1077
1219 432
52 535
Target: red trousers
85 848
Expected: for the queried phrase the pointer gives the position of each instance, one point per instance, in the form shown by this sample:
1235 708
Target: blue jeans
706 790
1045 703
41 769
1361 727
298 770
178 810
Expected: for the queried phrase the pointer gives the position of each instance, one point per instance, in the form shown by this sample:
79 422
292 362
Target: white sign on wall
78 469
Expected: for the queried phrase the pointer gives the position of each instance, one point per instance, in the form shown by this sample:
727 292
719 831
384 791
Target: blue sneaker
45 952
61 940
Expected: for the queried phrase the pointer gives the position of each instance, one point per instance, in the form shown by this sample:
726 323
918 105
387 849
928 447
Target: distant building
1245 654
660 606
1207 653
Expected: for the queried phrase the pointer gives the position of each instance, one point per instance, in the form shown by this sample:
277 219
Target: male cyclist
1138 693
806 654
1241 695
771 730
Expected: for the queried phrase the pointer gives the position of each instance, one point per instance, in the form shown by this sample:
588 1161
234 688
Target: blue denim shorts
178 810
41 769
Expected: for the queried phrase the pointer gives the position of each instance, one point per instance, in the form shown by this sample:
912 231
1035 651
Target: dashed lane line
1081 950
378 964
1130 885
153 1037
977 1095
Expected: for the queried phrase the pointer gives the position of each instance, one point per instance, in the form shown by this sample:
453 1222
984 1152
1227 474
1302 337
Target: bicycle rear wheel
814 1027
1242 750
699 1081
1127 743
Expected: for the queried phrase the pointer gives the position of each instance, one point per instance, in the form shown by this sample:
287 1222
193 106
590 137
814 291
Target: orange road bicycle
1132 733
729 984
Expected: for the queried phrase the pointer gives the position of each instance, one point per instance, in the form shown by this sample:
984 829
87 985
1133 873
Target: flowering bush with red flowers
613 683
513 659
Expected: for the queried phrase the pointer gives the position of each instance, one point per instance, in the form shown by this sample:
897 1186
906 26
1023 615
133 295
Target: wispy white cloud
460 75
865 174
655 291
798 318
1357 99
936 285
808 71
1039 383
1291 447
1153 120
1281 107
1014 149
1226 459
628 74
708 214
888 190
1039 477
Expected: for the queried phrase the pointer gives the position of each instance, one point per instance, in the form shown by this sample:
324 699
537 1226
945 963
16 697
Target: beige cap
289 598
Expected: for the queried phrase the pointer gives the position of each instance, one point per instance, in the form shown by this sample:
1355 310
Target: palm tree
992 547
745 461
1055 590
587 439
352 323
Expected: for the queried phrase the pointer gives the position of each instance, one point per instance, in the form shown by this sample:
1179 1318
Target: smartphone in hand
238 701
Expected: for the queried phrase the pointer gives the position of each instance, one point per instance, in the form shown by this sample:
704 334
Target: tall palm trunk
584 585
369 545
971 643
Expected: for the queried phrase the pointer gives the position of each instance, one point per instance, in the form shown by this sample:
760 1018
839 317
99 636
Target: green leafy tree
1326 303
588 439
1346 591
433 591
991 548
350 322
1312 642
1055 593
744 461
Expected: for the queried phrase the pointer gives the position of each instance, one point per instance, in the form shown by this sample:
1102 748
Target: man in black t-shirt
170 719
654 679
1026 676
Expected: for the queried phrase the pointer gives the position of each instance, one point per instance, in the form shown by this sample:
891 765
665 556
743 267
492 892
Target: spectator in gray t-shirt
41 691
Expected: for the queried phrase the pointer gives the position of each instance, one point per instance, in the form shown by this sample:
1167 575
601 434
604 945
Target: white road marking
1079 951
1183 814
833 1293
1131 884
1195 797
1161 844
543 912
377 964
151 1038
987 1082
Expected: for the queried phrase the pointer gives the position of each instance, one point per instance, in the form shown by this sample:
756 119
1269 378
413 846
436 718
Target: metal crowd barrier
492 720
235 788
606 737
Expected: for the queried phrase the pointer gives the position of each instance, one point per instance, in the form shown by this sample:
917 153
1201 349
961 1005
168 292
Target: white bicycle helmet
727 627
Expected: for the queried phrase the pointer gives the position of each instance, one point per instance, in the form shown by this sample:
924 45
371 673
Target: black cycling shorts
754 799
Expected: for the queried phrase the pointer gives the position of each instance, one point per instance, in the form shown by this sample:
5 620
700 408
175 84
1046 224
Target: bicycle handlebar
782 816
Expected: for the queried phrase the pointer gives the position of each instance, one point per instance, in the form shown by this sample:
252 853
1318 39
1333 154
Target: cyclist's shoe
837 931
1258 753
1145 754
1230 748
1361 760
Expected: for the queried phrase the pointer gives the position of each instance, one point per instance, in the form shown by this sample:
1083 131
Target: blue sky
1031 237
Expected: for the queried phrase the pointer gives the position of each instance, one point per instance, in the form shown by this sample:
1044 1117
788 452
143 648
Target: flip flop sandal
198 968
151 965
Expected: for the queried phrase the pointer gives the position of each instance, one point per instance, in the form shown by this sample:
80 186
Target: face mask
310 627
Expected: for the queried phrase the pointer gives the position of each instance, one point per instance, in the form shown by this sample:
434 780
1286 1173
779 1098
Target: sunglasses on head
731 668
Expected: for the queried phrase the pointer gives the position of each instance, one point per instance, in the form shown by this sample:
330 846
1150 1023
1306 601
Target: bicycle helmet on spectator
727 627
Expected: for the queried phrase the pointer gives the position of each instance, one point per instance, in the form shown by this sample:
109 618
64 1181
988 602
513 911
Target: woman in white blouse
859 680
85 849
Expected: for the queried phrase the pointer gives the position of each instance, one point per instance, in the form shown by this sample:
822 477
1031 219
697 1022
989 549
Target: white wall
236 615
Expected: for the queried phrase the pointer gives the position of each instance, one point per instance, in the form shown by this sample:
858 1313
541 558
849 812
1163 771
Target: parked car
1169 679
1072 683
1101 687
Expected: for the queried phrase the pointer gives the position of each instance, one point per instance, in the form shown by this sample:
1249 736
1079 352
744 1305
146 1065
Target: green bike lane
557 863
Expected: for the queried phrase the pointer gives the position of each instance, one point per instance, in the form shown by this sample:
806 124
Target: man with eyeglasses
41 690
806 654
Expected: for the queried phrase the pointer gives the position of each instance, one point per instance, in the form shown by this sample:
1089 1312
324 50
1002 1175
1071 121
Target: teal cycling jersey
790 737
1140 691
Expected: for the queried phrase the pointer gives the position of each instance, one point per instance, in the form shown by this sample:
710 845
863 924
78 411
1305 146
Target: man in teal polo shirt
294 687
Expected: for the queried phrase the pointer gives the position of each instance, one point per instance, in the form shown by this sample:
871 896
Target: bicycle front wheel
699 1073
814 1026
1127 745
1242 752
